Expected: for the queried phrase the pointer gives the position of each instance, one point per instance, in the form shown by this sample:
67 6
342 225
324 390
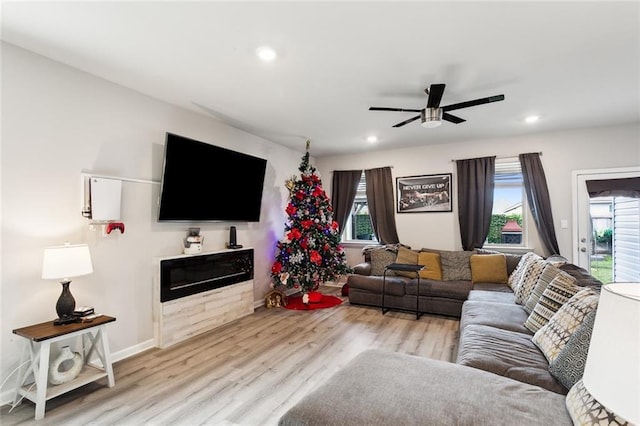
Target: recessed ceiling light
531 119
372 139
266 53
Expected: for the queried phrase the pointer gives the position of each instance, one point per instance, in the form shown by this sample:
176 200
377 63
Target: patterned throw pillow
553 336
432 268
568 367
528 280
380 258
514 278
548 274
489 268
559 290
456 265
585 410
407 257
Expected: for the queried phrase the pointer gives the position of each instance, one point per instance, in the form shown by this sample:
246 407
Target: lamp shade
612 371
66 261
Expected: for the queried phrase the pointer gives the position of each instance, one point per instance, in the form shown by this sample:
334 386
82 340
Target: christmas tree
310 252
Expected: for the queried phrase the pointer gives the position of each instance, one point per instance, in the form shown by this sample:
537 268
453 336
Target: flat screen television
207 183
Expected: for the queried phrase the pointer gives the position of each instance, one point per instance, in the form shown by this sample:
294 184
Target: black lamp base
65 306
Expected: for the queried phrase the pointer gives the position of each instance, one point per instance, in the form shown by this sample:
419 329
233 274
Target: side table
405 268
35 358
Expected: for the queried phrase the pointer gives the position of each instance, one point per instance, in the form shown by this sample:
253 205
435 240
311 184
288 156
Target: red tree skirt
325 301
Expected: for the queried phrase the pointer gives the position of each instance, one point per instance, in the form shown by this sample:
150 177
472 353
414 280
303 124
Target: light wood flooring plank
248 372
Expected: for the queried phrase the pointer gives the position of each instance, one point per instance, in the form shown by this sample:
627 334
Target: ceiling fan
433 114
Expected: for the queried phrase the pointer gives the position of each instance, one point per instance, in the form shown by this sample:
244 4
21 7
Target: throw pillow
548 274
432 268
456 265
553 336
585 410
488 268
512 259
514 278
380 258
568 367
408 257
559 290
528 280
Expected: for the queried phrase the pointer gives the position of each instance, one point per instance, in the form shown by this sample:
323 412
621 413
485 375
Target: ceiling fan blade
473 103
393 109
435 95
406 121
452 118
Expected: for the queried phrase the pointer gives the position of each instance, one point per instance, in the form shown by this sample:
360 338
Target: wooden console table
35 359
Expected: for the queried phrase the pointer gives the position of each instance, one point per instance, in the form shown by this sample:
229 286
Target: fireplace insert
185 276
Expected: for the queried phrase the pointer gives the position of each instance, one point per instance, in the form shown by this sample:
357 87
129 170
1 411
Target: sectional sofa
522 346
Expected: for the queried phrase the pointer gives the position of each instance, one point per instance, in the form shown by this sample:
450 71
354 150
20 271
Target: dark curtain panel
535 185
625 187
381 204
476 181
343 191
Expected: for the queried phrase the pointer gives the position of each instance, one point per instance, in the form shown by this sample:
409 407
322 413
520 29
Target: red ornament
315 257
294 234
276 268
291 209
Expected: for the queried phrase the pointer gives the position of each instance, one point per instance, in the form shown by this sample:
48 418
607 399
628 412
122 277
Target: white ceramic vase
65 367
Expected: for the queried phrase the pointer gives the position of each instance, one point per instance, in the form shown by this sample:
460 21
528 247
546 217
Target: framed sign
422 194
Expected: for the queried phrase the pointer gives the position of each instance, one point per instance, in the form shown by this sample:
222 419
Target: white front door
585 244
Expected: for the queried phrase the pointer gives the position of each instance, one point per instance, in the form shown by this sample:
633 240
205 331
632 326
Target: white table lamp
63 263
612 371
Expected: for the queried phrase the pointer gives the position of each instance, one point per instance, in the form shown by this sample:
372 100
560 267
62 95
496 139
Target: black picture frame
424 193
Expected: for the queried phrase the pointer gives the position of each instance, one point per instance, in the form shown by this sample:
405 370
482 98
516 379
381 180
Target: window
359 225
507 218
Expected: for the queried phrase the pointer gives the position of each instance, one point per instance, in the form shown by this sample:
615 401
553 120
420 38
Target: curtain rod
503 156
391 167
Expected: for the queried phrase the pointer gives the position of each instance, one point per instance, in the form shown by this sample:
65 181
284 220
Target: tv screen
203 182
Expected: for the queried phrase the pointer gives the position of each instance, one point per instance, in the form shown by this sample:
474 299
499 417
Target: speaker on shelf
233 243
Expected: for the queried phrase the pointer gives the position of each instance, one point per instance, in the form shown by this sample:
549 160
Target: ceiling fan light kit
431 117
433 114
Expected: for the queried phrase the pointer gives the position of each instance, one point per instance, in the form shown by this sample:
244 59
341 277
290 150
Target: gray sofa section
388 388
436 296
500 376
493 336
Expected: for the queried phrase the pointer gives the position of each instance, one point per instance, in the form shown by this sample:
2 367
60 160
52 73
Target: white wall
57 122
562 152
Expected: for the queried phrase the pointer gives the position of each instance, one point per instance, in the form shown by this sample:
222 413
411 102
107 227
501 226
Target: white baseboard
133 350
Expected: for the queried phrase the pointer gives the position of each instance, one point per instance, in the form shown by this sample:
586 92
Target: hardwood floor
248 372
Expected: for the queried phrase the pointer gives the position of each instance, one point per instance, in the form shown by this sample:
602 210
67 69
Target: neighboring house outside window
508 225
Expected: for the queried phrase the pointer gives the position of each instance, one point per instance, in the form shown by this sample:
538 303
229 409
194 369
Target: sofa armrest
363 268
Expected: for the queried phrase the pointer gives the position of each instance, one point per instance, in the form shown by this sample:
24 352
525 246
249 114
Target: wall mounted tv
206 183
